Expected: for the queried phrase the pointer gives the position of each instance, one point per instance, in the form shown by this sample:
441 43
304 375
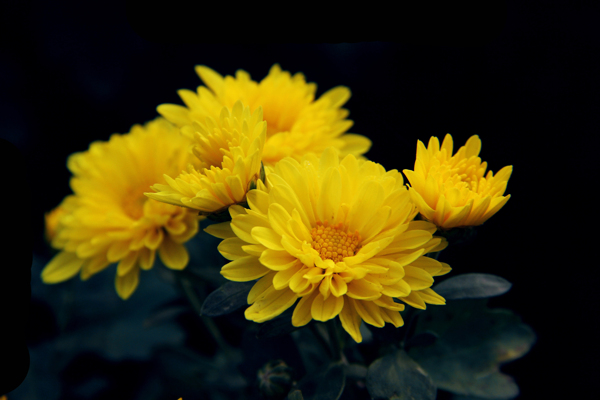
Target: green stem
208 322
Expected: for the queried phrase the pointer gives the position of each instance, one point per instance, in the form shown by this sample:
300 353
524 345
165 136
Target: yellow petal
117 251
153 238
261 288
173 255
63 266
302 314
417 278
271 305
267 237
431 297
413 299
325 309
232 248
283 277
363 290
147 258
277 260
370 313
244 269
392 317
351 320
127 263
127 284
221 230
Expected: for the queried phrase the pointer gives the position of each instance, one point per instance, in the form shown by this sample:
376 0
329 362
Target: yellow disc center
334 242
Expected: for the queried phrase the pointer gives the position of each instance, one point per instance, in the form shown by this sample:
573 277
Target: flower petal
244 269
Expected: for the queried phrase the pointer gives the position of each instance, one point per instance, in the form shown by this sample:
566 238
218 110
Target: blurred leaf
278 326
473 341
356 371
227 299
313 351
295 395
326 383
397 376
472 286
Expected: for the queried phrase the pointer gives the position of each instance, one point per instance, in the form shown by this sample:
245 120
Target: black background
531 93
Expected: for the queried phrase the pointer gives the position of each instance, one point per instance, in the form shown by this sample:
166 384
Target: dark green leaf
295 395
226 299
324 384
473 341
279 326
397 376
472 286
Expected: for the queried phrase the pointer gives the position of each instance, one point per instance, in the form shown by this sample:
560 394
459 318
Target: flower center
334 242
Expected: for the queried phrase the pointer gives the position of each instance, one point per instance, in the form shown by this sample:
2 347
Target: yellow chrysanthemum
450 190
229 154
108 219
338 235
297 124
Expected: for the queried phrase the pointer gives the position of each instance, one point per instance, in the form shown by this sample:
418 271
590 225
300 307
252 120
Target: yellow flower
108 219
450 190
338 235
229 154
297 124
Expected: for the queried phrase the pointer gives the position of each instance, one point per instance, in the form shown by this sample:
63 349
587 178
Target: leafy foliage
226 299
326 383
472 341
472 286
397 376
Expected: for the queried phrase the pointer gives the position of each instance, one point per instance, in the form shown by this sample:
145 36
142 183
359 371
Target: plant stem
208 322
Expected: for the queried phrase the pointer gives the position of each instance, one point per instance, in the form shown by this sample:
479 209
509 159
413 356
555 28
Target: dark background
531 93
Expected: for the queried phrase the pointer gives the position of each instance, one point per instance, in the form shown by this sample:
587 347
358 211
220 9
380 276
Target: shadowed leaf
472 342
279 326
227 298
397 376
324 384
472 286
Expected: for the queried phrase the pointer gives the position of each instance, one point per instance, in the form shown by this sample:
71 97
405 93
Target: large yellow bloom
338 235
297 124
108 219
450 190
228 151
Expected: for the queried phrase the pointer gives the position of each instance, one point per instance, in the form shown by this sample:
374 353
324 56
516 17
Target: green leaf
326 383
278 326
397 376
227 298
472 342
472 286
295 395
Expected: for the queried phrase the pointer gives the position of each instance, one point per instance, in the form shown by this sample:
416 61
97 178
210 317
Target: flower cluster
318 226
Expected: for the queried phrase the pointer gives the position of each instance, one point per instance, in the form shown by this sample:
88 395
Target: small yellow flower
451 190
339 236
297 124
108 219
228 152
